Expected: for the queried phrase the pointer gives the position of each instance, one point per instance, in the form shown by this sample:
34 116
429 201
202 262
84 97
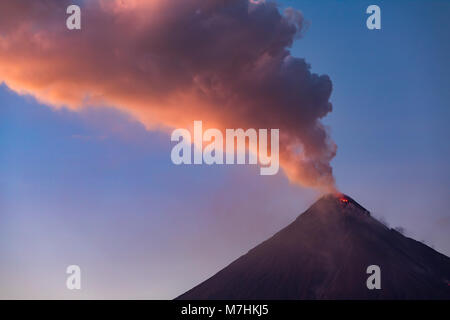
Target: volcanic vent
324 254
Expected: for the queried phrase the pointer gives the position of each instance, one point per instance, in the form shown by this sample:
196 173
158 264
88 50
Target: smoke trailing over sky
170 62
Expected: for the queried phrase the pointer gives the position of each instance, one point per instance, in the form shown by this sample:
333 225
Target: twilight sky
94 185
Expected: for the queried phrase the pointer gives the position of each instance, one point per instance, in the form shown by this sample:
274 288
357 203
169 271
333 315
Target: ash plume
170 62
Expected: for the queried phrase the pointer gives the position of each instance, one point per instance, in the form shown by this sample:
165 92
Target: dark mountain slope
324 254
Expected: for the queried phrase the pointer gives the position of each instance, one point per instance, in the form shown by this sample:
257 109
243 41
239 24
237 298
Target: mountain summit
324 254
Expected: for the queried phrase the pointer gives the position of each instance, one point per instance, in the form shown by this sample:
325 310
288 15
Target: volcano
324 254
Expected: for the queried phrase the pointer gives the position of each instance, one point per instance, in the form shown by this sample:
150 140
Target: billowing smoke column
170 62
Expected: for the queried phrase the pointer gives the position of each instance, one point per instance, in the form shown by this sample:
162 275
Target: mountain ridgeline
324 254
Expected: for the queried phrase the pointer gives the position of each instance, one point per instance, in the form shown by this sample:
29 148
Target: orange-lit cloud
170 62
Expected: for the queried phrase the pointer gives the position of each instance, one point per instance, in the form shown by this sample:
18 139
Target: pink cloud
170 62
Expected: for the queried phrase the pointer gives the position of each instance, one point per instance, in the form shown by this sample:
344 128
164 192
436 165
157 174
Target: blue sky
94 188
